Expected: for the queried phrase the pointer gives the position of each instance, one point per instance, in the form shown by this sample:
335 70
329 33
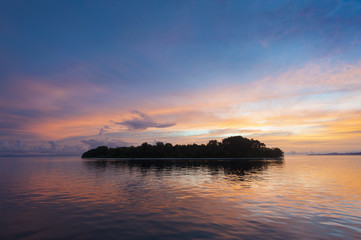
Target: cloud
56 148
317 101
231 131
101 132
14 146
52 146
142 122
93 143
21 147
4 146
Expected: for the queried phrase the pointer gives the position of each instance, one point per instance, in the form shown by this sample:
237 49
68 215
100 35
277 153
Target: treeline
232 147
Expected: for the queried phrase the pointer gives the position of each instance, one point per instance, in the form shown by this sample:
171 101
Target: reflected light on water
299 197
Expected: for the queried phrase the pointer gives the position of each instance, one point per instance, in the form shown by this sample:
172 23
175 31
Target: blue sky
79 60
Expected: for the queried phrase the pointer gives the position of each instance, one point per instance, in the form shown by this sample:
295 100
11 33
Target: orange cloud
312 108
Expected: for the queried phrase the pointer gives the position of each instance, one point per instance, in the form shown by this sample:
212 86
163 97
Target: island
334 153
231 147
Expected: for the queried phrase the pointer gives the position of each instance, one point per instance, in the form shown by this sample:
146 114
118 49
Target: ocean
299 197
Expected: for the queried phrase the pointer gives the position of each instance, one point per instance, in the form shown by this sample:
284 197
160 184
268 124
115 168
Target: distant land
336 153
231 147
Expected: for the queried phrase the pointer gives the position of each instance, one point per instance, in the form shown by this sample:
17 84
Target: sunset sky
78 74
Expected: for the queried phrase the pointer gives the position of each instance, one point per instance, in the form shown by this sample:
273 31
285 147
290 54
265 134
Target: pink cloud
287 109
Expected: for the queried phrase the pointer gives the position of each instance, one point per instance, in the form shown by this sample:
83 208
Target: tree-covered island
231 147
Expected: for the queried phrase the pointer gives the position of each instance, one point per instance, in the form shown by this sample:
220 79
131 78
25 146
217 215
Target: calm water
303 197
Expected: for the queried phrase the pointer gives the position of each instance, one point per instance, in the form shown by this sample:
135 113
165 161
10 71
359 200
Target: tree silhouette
231 147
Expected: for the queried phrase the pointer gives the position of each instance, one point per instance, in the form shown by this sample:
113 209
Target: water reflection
232 168
72 198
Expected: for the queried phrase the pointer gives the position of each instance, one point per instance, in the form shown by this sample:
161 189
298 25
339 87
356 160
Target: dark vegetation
232 147
336 153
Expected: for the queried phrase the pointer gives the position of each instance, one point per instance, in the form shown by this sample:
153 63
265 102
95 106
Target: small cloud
117 143
53 146
71 150
58 149
19 147
101 132
94 143
16 146
142 122
4 146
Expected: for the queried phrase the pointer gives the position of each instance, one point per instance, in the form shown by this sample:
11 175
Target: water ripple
300 197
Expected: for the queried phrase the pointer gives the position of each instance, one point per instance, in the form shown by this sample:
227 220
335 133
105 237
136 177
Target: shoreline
149 159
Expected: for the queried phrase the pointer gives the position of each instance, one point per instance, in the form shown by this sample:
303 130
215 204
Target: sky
78 74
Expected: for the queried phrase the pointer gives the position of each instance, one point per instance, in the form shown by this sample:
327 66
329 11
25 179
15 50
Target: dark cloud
142 122
17 146
56 148
4 146
20 147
